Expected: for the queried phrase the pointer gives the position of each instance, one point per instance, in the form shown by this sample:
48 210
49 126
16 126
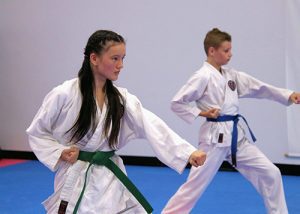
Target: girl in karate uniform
215 90
84 120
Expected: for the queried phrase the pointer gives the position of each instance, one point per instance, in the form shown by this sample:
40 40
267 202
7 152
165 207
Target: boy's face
222 54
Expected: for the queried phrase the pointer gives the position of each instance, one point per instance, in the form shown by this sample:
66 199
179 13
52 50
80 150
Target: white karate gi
208 88
104 193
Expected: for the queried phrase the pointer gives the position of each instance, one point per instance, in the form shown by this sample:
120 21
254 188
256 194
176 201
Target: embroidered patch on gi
231 85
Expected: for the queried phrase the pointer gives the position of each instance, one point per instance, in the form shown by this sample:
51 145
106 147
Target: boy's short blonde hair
214 38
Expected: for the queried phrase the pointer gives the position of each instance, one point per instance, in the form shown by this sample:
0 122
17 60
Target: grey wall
41 45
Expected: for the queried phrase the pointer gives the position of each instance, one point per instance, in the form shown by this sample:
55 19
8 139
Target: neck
215 65
99 84
99 93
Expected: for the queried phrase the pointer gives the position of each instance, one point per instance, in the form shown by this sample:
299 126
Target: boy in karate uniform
215 90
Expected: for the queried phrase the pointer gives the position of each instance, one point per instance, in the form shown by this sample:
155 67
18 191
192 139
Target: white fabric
210 89
293 73
252 164
104 193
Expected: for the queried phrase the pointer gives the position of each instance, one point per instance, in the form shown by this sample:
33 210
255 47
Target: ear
94 59
211 51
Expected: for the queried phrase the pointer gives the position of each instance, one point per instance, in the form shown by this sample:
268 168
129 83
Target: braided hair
86 120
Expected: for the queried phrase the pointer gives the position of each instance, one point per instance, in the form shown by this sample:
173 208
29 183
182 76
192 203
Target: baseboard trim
286 169
9 154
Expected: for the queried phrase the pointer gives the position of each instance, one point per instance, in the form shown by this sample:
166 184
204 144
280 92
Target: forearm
47 151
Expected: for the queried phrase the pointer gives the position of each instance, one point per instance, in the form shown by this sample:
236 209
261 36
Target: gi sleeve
250 87
168 146
40 132
192 91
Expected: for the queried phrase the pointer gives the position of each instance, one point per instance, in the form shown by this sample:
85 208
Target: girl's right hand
70 155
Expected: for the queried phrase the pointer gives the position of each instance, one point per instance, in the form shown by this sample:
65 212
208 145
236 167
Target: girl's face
108 64
222 54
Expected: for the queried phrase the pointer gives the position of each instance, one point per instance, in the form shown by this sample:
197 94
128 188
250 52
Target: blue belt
235 119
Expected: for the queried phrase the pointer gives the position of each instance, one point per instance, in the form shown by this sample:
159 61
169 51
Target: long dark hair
86 121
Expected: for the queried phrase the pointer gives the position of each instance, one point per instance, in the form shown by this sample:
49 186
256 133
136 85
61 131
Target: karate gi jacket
104 193
208 88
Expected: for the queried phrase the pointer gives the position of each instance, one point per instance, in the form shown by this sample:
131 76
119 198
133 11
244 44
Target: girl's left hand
295 98
197 158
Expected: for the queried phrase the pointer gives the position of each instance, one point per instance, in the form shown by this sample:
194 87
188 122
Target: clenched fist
70 155
295 98
211 113
197 158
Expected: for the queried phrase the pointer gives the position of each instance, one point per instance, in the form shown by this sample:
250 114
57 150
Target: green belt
103 158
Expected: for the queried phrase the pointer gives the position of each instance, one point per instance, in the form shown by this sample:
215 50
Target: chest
220 84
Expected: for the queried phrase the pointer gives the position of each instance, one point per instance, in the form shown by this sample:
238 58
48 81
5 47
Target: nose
120 64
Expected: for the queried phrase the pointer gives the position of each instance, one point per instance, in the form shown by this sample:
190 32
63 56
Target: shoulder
123 91
204 71
63 92
230 71
200 76
133 103
127 95
236 74
67 87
